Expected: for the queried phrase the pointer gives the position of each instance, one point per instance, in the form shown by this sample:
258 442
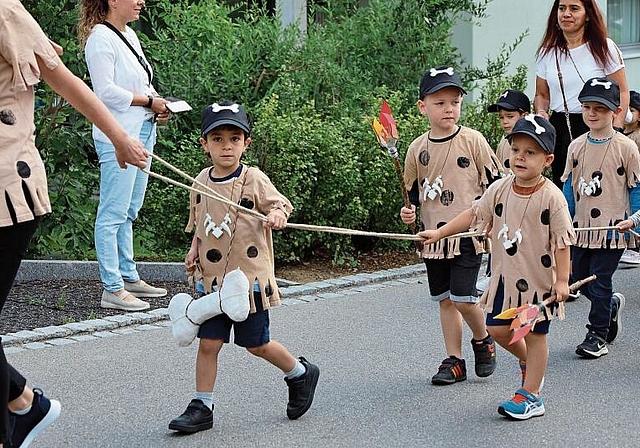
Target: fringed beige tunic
467 165
21 168
617 164
635 136
503 152
527 269
250 245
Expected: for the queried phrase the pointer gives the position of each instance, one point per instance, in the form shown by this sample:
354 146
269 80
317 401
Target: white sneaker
116 301
630 257
143 289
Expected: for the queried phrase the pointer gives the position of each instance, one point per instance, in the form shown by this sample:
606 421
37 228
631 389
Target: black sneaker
485 353
593 347
197 417
615 324
302 390
24 428
450 371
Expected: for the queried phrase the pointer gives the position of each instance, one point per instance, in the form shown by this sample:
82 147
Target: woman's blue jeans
121 197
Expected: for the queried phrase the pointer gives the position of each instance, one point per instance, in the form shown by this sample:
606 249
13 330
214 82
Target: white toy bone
539 129
432 191
605 84
187 313
210 226
215 107
504 234
434 72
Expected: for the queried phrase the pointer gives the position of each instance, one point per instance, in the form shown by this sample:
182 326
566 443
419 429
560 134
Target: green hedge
311 99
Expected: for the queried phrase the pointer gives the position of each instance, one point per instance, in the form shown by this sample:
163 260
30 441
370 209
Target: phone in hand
178 106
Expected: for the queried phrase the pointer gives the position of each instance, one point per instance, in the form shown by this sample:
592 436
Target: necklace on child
433 190
594 185
217 230
508 242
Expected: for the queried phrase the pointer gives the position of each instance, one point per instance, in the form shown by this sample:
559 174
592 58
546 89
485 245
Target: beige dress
617 165
240 240
21 168
465 164
526 267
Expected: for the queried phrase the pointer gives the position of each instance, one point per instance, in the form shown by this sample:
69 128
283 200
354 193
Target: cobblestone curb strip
109 326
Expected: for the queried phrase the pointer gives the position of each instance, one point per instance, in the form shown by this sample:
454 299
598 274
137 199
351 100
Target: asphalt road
377 351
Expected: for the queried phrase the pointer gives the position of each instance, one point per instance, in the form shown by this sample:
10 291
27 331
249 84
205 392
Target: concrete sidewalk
377 346
77 331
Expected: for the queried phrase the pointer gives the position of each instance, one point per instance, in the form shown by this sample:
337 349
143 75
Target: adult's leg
116 189
14 241
126 263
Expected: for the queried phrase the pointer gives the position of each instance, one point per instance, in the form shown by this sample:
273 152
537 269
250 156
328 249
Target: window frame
628 49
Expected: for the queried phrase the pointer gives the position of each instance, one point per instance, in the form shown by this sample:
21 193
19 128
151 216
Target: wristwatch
150 102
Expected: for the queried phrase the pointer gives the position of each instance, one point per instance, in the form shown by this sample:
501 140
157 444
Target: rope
210 193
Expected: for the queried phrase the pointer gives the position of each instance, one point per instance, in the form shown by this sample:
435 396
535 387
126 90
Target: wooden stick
210 193
327 229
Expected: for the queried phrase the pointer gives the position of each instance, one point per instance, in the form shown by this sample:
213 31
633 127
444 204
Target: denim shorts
541 327
455 277
252 332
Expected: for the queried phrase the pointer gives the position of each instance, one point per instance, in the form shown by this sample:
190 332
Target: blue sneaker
522 406
24 428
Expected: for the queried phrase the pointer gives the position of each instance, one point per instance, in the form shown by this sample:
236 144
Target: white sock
206 398
298 370
24 411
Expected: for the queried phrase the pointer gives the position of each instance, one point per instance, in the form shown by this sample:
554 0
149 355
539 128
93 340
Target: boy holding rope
601 187
445 169
226 239
526 216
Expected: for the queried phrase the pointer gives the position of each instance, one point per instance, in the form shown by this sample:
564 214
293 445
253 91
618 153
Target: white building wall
291 12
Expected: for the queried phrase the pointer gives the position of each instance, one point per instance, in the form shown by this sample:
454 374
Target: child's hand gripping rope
526 316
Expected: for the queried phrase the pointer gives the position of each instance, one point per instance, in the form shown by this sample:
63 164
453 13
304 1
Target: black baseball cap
537 128
634 99
511 100
601 90
226 112
439 78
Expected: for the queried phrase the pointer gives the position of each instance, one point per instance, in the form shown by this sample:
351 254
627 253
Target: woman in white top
574 49
121 78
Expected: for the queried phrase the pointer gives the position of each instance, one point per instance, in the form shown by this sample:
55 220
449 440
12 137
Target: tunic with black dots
503 152
527 269
467 165
617 165
635 136
251 247
23 181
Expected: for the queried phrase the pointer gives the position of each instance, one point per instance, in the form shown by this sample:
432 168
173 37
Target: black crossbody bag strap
564 99
140 59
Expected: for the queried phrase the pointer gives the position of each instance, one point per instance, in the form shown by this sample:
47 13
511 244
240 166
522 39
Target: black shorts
455 277
252 332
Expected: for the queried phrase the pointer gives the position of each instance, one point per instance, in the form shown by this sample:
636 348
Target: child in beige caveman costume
232 251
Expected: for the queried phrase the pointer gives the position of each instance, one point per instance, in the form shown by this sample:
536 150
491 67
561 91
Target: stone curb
93 329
